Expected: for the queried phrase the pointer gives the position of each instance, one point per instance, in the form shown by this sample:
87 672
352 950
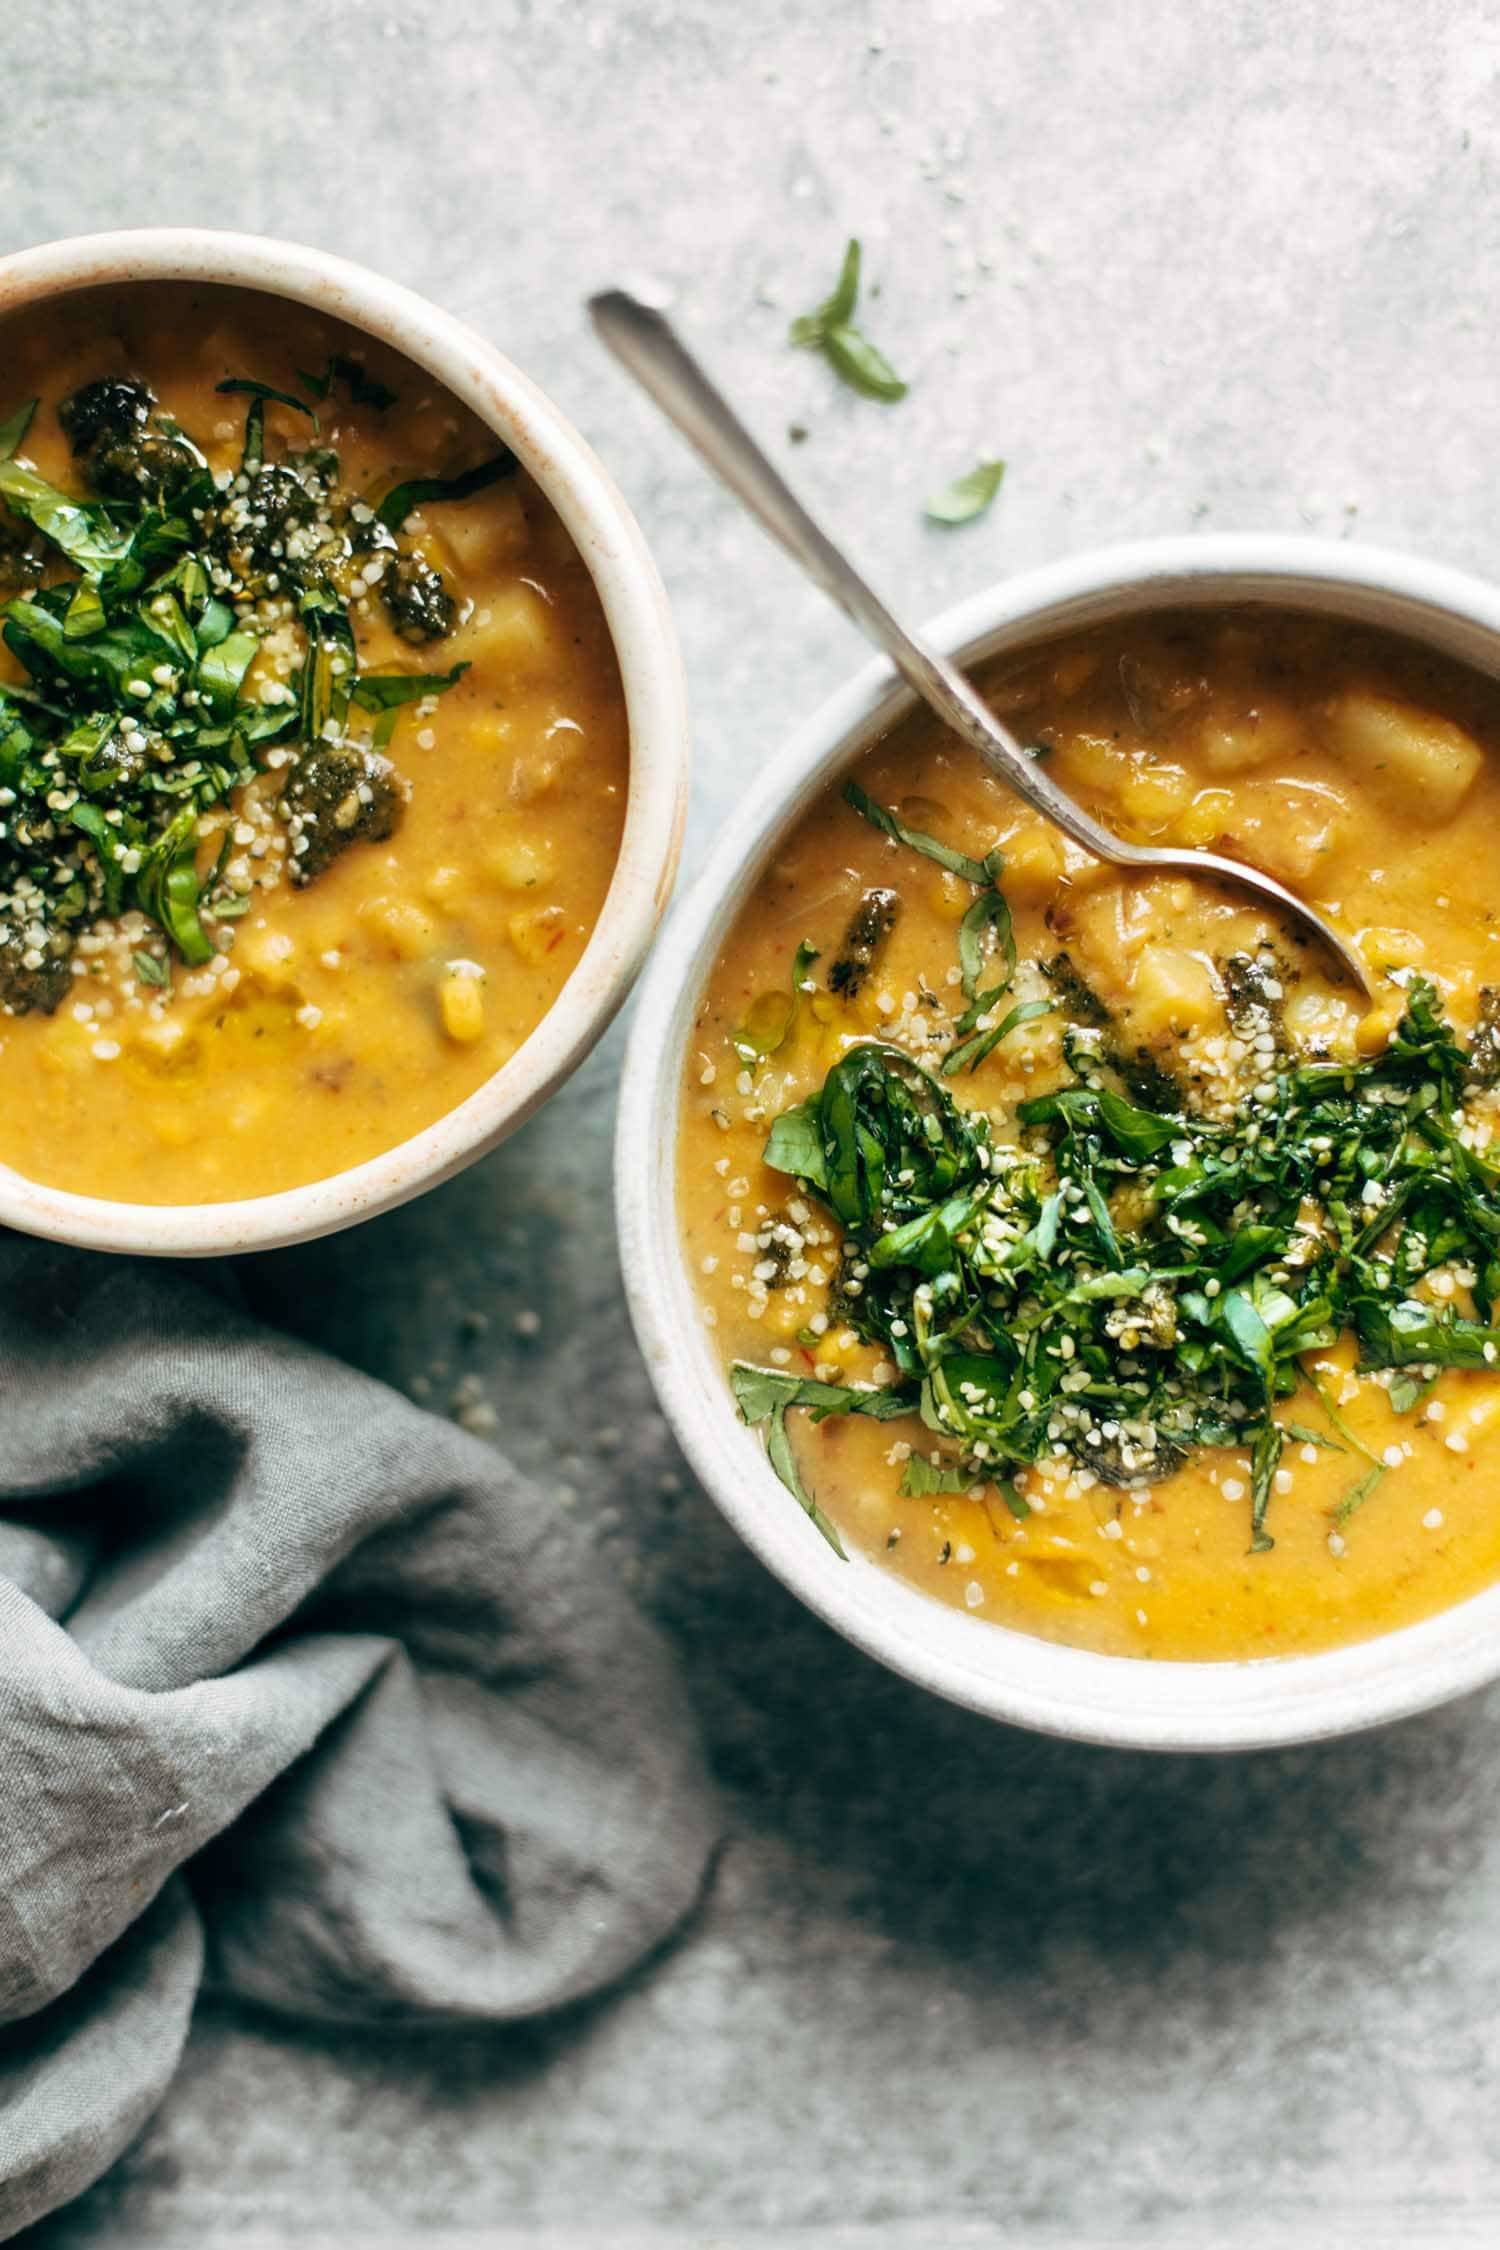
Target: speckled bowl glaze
990 1668
640 624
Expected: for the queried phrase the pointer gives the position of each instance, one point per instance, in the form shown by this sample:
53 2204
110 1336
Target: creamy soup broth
1359 769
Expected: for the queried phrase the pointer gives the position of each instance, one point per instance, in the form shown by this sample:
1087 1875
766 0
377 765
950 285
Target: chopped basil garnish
139 716
763 1395
979 872
923 1480
1124 1287
13 430
255 420
363 389
387 691
420 492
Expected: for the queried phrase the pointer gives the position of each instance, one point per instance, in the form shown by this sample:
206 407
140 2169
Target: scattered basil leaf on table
968 497
830 329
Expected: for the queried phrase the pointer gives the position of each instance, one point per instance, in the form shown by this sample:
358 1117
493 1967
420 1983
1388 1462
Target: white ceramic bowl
640 624
989 1668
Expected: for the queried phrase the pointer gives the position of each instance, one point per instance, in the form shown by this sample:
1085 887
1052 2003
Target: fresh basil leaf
421 492
973 1051
1336 1419
989 913
1408 1391
1265 1458
1358 1494
331 668
1413 1334
166 887
213 624
77 528
892 1140
247 387
90 822
921 1480
1019 1507
784 1461
796 1145
84 615
927 1241
1139 1133
1305 1436
120 663
968 497
158 538
163 613
811 328
222 668
758 1389
387 691
972 870
764 1395
363 388
831 330
13 431
150 970
1249 1335
862 365
254 450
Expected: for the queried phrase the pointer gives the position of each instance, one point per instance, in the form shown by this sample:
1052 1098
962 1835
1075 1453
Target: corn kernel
535 932
519 863
461 1004
270 956
1205 818
442 884
534 776
949 896
521 633
1375 1029
173 1128
486 536
1033 865
1171 991
66 1045
163 1039
1155 795
1391 949
409 932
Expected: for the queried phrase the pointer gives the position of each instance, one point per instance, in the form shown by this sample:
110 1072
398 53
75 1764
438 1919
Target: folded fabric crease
301 1691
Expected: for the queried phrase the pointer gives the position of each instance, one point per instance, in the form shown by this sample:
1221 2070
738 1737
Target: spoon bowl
649 348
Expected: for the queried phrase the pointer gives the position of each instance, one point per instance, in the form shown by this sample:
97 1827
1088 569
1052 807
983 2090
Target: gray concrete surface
1203 262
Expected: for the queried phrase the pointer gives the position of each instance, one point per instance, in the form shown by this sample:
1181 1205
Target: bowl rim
1122 1702
641 627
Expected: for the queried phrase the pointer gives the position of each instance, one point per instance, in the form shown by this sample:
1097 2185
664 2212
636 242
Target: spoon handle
645 342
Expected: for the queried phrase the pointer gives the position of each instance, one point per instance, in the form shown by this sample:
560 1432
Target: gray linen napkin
263 1621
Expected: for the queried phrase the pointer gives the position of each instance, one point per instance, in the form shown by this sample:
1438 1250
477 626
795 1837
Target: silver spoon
645 342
